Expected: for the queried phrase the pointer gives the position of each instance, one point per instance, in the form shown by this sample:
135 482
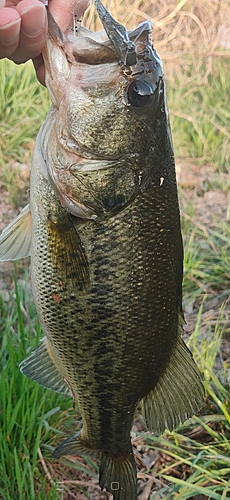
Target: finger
33 30
40 69
63 14
10 24
63 11
80 7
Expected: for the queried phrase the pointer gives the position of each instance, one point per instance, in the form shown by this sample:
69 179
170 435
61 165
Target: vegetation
193 461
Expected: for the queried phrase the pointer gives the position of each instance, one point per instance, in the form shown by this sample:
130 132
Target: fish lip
92 50
118 35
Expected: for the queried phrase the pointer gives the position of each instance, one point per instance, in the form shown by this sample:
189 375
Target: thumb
64 10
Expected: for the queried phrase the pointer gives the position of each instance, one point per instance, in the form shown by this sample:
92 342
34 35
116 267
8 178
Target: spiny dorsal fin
41 367
178 395
15 240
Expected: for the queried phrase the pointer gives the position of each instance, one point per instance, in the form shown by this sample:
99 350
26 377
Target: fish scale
109 292
141 281
103 231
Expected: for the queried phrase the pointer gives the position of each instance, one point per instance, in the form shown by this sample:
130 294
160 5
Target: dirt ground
201 186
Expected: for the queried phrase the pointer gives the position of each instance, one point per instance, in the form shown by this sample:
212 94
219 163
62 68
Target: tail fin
116 474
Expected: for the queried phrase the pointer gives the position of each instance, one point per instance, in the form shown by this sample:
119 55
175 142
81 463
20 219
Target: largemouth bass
103 231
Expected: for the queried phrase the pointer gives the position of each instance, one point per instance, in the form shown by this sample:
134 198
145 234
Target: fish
104 234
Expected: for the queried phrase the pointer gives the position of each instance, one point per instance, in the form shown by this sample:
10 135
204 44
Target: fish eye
138 93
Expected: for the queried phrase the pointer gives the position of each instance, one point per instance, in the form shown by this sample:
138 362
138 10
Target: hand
23 27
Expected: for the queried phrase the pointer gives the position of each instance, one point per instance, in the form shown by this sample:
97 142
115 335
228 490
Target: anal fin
74 445
15 239
41 367
178 394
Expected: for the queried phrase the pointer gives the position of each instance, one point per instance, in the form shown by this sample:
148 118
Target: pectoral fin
41 367
15 240
178 395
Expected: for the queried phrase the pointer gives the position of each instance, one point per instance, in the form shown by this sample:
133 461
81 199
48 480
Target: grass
28 413
20 120
20 116
197 453
193 461
200 115
206 262
22 405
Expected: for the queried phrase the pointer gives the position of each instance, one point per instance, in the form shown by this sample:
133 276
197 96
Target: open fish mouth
115 43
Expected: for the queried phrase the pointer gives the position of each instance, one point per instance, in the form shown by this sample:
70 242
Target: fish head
107 88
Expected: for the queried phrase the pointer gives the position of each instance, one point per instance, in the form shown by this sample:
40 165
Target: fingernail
33 23
10 32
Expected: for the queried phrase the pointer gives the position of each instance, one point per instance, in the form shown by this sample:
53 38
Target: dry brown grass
184 31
